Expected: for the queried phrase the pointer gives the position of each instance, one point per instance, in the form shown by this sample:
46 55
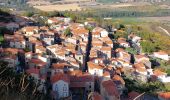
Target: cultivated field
64 7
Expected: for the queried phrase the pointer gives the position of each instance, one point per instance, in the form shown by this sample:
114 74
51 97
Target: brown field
151 19
128 5
41 2
64 7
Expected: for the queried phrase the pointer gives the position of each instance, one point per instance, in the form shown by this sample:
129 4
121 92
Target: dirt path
164 30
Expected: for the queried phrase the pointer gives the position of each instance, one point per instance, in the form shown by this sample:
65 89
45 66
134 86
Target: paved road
164 30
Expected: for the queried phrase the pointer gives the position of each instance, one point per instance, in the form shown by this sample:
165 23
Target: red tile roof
92 65
82 78
157 72
165 95
96 96
38 61
59 65
161 53
60 76
118 78
106 74
80 31
132 95
33 71
110 88
106 48
119 50
139 65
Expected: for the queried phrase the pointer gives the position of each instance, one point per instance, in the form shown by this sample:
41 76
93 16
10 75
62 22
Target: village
79 63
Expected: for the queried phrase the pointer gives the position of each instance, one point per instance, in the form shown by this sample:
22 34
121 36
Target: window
65 94
64 88
90 87
79 58
95 72
56 88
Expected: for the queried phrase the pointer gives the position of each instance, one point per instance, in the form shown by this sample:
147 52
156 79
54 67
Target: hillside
112 1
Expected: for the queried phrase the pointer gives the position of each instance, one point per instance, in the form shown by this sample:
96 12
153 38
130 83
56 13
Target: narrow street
88 48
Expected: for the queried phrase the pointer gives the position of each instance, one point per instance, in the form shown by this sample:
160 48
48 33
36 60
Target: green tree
28 13
68 32
1 38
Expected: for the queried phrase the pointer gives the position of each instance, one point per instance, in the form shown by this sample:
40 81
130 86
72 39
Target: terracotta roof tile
92 65
59 65
161 53
106 48
118 78
165 95
157 72
33 71
96 96
133 95
60 76
110 88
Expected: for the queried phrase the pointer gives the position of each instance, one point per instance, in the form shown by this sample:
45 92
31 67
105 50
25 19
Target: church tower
79 56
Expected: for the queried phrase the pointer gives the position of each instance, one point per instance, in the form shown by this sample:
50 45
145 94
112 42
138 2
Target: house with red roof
123 55
161 76
60 85
143 59
74 40
95 96
34 72
95 69
164 96
81 81
120 83
99 32
97 43
140 72
37 63
105 52
162 55
15 41
140 58
135 95
30 30
12 60
53 20
10 55
134 38
60 67
107 41
122 42
109 91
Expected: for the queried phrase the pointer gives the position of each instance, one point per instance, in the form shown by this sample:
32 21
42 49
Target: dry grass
64 7
42 2
120 5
